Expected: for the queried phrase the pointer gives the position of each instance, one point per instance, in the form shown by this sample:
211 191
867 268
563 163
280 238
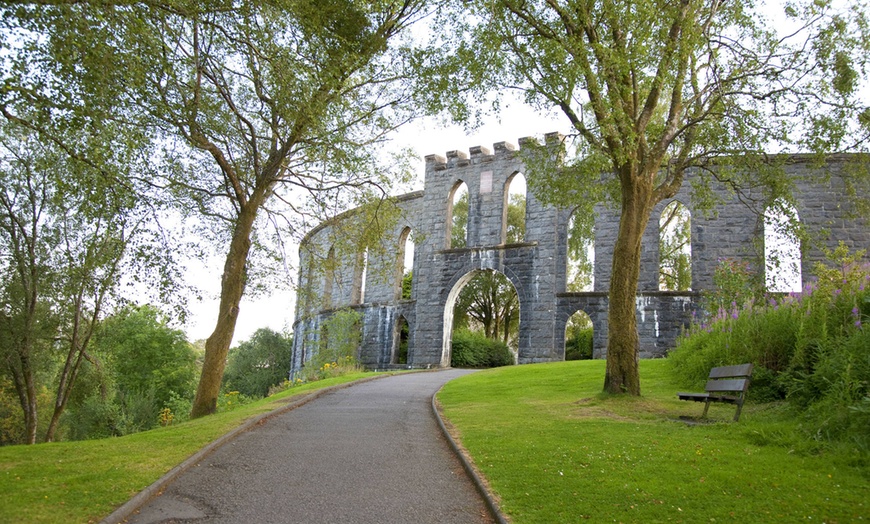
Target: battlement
481 154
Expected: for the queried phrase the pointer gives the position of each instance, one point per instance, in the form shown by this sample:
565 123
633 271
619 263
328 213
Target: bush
94 419
835 391
259 363
340 337
810 349
764 336
338 348
578 346
474 350
145 354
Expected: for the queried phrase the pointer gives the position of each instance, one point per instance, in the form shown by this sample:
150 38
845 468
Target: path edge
126 510
469 468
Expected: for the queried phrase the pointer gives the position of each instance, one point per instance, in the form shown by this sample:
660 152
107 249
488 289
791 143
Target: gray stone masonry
537 266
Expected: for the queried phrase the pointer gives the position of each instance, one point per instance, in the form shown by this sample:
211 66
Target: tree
340 337
67 235
259 363
256 108
658 91
146 354
490 301
139 366
407 283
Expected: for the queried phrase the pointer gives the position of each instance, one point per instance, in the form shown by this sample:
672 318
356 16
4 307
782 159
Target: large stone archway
450 305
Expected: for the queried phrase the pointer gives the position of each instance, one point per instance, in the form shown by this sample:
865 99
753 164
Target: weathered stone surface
537 267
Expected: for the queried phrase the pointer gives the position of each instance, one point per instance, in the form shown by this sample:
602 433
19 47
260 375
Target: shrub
256 365
475 350
809 348
735 283
336 355
339 338
230 400
95 419
578 346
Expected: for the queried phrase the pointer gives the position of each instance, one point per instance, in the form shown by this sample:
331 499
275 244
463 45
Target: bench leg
737 414
706 407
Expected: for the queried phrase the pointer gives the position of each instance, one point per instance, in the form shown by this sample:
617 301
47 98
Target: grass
554 449
551 446
85 481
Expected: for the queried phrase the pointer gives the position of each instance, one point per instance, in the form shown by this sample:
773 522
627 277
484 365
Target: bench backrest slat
742 370
733 384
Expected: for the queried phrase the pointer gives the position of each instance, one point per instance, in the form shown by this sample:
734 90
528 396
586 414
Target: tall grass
810 348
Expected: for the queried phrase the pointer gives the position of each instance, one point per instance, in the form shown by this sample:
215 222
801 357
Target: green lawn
84 481
554 449
551 446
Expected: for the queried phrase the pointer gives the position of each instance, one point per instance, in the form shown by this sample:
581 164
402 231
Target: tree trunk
25 381
232 288
26 389
67 381
621 375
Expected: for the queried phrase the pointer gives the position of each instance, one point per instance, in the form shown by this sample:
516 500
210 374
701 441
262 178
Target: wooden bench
726 384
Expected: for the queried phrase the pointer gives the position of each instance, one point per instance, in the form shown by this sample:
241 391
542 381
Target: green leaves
259 363
146 354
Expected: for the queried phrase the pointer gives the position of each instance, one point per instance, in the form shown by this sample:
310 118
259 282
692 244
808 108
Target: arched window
404 265
328 278
578 337
782 249
581 254
307 290
358 291
514 217
457 213
400 350
675 248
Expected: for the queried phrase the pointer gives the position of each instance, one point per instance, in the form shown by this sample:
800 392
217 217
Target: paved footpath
370 453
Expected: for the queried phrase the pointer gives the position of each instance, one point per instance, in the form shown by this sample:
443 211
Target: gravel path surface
370 453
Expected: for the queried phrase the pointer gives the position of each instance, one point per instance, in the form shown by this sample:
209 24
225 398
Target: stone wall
537 266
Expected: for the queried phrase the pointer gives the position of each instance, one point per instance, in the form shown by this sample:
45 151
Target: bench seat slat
731 384
742 370
727 399
697 397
